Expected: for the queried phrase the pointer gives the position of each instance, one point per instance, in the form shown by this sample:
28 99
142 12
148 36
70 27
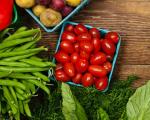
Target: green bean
9 99
22 76
27 109
21 29
22 52
4 32
21 69
0 107
20 91
13 94
21 109
42 76
15 42
16 64
12 83
22 34
9 49
39 84
27 87
36 58
38 63
20 97
4 74
4 110
19 57
30 86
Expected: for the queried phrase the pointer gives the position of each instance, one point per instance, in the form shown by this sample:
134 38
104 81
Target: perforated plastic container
52 29
103 32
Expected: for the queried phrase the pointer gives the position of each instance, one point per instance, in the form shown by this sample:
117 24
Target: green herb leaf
138 106
102 115
71 108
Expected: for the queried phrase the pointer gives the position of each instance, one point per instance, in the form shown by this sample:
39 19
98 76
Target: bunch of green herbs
113 101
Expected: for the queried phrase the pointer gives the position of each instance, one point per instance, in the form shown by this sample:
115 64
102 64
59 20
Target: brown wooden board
131 18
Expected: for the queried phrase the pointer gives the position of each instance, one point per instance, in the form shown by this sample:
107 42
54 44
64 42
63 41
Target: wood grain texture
131 18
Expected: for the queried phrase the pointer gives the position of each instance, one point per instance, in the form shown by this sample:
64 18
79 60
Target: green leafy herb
102 115
71 108
138 106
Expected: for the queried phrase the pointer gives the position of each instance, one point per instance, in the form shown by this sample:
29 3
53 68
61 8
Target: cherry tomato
86 46
81 65
101 84
77 78
80 29
69 69
107 66
67 46
108 47
84 55
109 57
69 28
59 66
95 79
77 47
113 36
74 57
87 80
61 76
84 37
62 57
95 33
69 36
97 71
98 58
97 44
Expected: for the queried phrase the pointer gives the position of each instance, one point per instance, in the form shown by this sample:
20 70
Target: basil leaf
102 115
138 106
71 108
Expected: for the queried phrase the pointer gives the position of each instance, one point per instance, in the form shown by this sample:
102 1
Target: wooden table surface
131 18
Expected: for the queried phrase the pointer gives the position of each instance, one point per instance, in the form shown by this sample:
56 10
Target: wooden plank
142 71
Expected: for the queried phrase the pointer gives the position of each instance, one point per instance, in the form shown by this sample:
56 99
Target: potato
25 3
38 9
73 3
50 17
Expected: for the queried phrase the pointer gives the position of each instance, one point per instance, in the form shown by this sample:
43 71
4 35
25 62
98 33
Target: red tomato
69 36
62 57
87 80
80 29
98 58
59 66
74 57
95 79
109 57
77 47
69 28
107 66
108 47
84 55
86 46
61 76
86 37
69 69
113 36
97 71
101 84
95 33
81 65
67 46
77 78
97 44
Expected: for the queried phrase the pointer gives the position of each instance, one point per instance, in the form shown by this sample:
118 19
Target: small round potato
50 17
25 3
38 9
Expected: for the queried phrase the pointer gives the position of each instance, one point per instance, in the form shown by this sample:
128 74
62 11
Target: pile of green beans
21 71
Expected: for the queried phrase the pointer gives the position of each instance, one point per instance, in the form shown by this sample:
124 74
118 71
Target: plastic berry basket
103 32
52 29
